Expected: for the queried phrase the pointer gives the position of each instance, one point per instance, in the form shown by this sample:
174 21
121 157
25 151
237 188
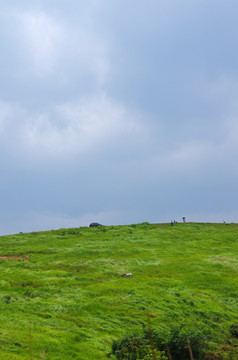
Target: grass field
68 300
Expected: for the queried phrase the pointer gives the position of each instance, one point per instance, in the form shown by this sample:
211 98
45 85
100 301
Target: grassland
68 301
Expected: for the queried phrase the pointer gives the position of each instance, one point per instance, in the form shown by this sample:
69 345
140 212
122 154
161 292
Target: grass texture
68 300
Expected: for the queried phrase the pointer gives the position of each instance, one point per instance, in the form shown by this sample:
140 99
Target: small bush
138 346
179 347
135 348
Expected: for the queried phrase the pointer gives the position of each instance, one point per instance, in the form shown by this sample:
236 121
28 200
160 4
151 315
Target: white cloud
79 127
49 45
72 128
41 37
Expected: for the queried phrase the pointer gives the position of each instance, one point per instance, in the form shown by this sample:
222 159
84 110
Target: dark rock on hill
95 224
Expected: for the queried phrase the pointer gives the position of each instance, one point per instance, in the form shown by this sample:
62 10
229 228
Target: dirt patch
225 260
14 258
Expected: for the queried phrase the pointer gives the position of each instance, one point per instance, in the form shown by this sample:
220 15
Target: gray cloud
117 112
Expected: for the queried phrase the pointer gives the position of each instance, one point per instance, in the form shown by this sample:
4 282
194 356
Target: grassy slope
70 302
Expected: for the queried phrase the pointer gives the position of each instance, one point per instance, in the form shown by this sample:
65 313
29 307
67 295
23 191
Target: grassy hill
69 301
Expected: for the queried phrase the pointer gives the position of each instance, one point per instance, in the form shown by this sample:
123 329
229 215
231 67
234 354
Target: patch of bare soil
225 260
14 258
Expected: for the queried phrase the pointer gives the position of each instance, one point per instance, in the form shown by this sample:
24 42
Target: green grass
70 302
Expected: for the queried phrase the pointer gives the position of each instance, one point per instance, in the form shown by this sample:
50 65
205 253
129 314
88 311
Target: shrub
137 347
179 347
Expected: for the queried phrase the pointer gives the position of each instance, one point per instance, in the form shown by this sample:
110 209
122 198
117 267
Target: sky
117 112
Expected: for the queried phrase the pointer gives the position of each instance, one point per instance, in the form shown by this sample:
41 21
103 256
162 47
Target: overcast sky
117 112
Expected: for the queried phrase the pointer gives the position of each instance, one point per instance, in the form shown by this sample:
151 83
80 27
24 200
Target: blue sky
117 112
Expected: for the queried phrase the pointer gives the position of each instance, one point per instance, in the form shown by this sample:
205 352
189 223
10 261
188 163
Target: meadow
62 295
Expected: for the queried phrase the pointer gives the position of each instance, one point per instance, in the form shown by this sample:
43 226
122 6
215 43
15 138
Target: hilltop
62 295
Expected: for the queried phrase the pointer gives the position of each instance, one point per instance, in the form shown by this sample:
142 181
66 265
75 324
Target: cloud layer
117 112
